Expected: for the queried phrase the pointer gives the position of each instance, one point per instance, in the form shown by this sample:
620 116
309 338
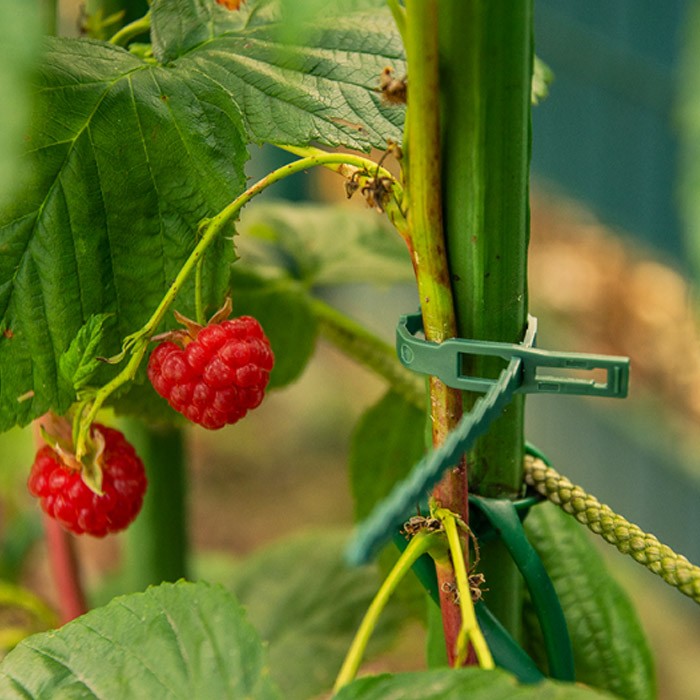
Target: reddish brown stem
450 493
451 618
65 570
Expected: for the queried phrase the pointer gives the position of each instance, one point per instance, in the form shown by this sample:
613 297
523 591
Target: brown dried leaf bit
393 90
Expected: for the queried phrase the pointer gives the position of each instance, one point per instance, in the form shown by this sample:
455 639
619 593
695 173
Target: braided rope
630 539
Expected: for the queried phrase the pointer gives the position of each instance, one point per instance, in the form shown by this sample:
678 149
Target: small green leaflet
178 641
79 363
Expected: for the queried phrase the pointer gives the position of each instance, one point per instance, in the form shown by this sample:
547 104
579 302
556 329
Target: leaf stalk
421 543
139 26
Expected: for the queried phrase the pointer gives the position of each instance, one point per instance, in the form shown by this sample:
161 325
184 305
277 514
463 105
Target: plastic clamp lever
446 361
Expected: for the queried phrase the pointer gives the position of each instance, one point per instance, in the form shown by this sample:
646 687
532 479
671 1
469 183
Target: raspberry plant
134 182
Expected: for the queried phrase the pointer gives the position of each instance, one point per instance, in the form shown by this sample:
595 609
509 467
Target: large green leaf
388 440
610 649
126 159
472 683
127 156
321 84
179 640
307 604
322 245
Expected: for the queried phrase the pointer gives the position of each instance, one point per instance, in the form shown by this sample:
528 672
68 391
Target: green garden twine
629 538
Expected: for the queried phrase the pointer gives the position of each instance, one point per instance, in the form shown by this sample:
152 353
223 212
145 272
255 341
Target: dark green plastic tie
504 518
444 360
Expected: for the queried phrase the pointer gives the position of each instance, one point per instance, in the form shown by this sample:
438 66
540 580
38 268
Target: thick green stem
157 541
487 58
429 253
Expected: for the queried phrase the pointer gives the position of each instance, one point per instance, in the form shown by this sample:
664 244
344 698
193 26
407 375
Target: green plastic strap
504 518
507 653
386 517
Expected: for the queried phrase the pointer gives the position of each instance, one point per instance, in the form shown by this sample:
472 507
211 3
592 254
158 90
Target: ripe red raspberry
217 373
67 498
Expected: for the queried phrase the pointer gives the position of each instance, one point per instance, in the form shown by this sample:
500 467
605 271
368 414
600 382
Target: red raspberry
67 498
220 373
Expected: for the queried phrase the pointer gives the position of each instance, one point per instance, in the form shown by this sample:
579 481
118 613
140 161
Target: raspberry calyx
59 482
213 374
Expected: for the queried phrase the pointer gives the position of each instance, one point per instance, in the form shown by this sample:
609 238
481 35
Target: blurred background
614 263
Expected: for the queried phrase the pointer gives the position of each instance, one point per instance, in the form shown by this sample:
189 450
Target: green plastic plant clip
445 361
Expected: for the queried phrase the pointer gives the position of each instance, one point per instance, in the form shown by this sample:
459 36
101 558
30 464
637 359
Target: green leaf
180 640
388 440
451 684
323 245
126 159
610 650
321 84
307 604
19 49
79 362
284 310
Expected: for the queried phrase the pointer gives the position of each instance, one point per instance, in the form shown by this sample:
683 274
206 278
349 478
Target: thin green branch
419 545
132 30
424 176
367 349
137 343
364 169
198 297
428 249
470 630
